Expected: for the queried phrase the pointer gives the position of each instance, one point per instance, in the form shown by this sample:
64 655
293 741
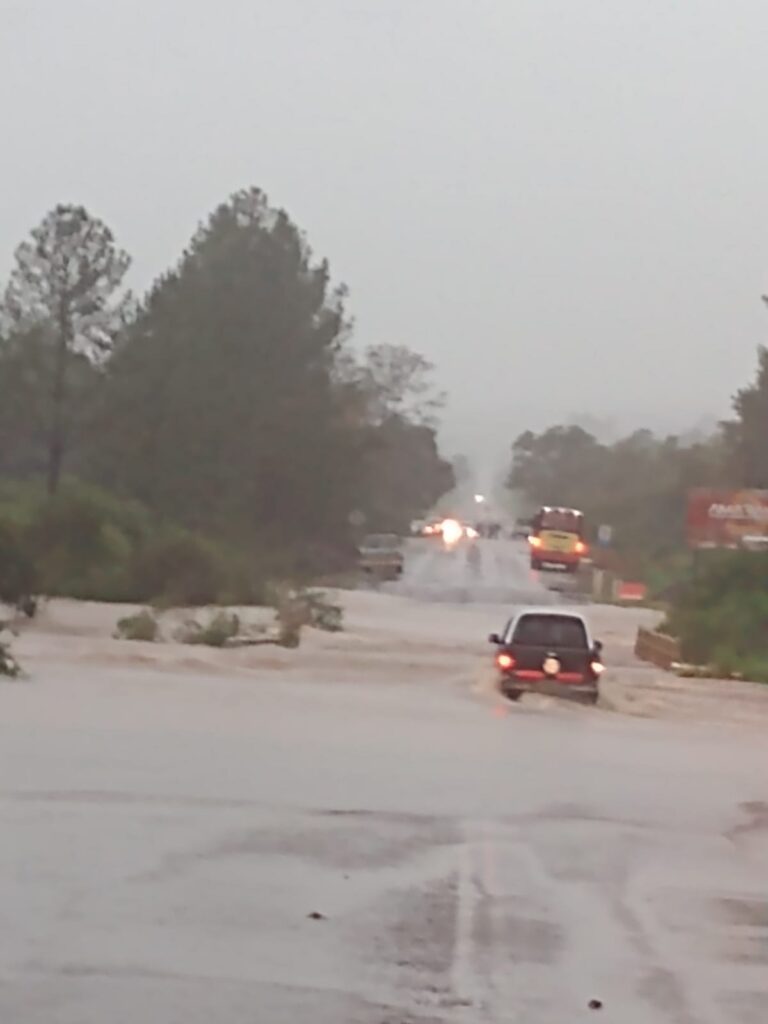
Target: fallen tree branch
253 641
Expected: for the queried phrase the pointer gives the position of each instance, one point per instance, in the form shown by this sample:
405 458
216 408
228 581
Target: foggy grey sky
563 203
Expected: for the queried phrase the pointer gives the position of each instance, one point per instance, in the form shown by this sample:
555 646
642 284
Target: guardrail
656 648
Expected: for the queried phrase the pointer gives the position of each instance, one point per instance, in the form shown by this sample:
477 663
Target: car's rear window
559 519
550 631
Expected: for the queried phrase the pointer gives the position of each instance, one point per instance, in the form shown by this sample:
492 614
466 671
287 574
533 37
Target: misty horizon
561 206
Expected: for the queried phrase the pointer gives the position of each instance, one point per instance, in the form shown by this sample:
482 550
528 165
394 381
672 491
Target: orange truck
557 539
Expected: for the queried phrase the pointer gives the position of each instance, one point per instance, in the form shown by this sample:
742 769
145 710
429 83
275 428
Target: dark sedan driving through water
546 650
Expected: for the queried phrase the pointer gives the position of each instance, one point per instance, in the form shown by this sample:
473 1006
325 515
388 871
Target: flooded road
490 572
288 846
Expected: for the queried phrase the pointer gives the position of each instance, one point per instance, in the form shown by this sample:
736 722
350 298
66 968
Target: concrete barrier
656 648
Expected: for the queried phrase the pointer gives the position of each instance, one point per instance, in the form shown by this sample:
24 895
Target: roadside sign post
604 535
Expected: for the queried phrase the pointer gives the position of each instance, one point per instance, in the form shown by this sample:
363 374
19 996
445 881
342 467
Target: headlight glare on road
452 531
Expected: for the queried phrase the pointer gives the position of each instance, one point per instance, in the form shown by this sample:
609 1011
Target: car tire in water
511 694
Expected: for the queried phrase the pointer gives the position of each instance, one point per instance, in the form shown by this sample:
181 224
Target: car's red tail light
597 668
505 661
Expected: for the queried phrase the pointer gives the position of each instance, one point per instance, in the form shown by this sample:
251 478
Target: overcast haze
562 203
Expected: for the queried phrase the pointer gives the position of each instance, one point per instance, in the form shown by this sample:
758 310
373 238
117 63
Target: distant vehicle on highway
521 529
449 530
557 539
485 528
381 556
432 527
453 531
546 650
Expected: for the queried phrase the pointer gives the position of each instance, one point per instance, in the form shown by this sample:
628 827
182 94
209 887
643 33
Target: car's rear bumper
556 557
583 689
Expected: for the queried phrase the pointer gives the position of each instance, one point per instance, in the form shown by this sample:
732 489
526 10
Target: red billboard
727 519
625 591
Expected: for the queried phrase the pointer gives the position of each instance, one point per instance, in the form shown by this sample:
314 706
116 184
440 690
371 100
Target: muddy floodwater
361 830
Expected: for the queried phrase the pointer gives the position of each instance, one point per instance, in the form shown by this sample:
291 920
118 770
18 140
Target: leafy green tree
234 405
60 316
222 409
396 403
747 436
398 382
26 373
554 467
406 474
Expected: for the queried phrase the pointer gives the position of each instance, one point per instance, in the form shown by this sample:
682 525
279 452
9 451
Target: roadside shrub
89 544
321 612
180 568
246 579
290 615
141 626
222 627
667 575
289 632
82 542
297 608
721 614
19 582
19 502
754 669
8 665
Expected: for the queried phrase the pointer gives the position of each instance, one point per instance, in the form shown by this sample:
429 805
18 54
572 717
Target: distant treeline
639 484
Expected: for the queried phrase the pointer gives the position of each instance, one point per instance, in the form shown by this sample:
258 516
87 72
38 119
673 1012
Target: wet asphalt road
490 572
179 848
